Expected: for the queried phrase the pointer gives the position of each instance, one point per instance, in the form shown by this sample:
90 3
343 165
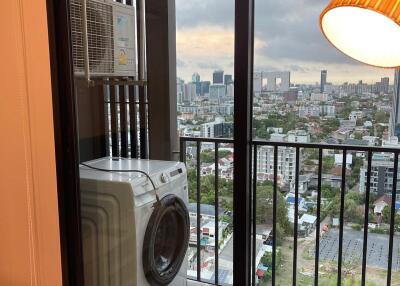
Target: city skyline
287 37
317 82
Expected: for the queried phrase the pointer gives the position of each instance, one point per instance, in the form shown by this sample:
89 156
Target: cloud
180 63
287 37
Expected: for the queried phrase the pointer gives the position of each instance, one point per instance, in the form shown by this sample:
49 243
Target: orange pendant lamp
366 30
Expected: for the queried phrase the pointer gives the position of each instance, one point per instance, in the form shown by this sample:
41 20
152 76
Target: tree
264 211
267 260
208 156
329 125
329 192
386 214
358 198
355 173
381 117
328 162
357 135
352 212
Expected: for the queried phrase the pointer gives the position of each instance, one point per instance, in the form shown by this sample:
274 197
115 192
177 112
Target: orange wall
29 230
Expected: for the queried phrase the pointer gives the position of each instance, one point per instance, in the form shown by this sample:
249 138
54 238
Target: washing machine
135 224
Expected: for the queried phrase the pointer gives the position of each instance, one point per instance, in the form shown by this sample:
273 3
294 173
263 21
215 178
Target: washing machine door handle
166 240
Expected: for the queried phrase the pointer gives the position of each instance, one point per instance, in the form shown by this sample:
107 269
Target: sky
287 38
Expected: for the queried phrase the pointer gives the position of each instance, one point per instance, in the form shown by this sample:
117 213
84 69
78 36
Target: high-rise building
217 92
218 77
286 161
180 90
228 79
324 75
230 90
381 175
257 82
196 81
385 84
204 87
195 77
277 81
190 93
382 86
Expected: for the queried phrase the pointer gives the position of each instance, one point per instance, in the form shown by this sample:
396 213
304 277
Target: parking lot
377 250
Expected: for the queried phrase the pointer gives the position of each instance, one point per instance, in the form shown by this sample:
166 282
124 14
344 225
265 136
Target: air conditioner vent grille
100 36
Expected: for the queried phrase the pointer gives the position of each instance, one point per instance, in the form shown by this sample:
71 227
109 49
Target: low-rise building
339 160
348 123
298 136
307 224
217 129
380 203
355 115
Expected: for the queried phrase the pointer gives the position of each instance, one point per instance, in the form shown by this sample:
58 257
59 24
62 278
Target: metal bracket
113 82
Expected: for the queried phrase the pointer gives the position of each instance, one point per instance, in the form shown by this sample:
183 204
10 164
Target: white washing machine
131 233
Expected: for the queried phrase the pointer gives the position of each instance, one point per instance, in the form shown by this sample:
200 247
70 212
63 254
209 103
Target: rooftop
204 209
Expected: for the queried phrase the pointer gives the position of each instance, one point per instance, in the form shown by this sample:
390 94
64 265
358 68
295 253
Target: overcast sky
287 37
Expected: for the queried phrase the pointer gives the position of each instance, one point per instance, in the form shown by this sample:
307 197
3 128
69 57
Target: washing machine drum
166 240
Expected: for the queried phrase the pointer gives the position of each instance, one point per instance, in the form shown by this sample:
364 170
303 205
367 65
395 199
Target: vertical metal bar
143 123
118 117
318 230
216 234
243 98
366 210
142 90
132 122
296 215
274 199
114 131
182 151
254 212
123 121
342 195
198 171
107 123
392 217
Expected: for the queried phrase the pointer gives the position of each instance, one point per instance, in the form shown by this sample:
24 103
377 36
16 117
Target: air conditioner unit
110 29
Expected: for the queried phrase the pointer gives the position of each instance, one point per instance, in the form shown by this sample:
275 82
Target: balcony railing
348 242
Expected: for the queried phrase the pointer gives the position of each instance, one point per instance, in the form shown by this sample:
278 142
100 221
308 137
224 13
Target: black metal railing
344 149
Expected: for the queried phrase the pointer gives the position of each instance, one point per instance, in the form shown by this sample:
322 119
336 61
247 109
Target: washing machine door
166 240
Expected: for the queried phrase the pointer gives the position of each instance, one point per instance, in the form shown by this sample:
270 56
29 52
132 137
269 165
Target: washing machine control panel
164 178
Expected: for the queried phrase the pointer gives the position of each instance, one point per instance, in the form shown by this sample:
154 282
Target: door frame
66 141
67 152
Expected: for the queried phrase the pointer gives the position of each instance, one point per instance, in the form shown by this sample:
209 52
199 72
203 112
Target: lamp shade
366 30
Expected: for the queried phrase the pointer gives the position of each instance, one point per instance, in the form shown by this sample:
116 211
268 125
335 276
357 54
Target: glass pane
205 86
305 91
134 211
